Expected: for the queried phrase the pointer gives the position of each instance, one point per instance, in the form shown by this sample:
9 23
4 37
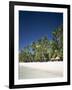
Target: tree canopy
43 49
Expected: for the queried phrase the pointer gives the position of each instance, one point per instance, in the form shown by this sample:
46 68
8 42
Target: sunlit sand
40 70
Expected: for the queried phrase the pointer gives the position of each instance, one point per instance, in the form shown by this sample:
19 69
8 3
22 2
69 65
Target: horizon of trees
43 49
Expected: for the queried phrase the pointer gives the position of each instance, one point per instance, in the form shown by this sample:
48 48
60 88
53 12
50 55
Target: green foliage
43 49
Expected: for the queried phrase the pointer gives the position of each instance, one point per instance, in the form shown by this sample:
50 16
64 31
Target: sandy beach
40 70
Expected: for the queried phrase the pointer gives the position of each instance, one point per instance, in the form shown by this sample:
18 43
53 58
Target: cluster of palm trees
43 49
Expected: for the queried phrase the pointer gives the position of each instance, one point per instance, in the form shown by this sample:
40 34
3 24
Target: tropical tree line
43 49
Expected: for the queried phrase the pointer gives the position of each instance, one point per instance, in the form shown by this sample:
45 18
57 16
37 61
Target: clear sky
34 25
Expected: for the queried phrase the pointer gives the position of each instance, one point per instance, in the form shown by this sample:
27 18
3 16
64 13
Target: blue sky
34 25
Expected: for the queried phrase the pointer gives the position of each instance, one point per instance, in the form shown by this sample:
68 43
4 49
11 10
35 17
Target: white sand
56 66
